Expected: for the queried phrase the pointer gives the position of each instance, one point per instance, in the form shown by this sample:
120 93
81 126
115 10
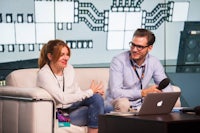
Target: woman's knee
98 103
98 98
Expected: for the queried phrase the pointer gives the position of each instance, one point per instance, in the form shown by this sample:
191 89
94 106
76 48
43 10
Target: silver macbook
158 103
155 103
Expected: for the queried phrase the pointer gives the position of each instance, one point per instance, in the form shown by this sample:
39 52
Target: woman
57 76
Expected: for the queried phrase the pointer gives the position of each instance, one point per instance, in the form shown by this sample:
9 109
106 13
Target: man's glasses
139 48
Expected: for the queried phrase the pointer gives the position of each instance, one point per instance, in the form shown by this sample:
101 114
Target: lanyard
142 76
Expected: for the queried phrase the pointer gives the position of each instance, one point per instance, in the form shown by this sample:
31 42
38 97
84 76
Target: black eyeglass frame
139 47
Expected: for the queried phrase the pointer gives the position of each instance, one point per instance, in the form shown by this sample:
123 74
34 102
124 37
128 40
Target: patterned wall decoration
92 28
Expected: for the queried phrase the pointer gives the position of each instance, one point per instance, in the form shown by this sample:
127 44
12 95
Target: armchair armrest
32 93
26 110
177 89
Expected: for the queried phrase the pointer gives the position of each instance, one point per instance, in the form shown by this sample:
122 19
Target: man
132 71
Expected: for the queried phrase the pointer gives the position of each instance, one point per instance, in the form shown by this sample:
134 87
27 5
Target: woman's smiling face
63 59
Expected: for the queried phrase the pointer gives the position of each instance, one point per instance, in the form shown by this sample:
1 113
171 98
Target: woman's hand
151 89
97 87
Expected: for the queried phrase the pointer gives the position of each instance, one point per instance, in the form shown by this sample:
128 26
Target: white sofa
25 108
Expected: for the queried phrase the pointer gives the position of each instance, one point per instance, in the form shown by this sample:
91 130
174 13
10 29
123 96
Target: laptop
155 103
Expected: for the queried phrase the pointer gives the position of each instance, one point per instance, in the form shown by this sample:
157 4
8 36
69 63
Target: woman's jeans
86 112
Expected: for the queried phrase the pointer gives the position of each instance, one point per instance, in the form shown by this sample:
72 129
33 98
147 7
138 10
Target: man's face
139 49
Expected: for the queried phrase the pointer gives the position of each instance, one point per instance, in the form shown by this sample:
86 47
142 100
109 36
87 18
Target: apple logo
159 103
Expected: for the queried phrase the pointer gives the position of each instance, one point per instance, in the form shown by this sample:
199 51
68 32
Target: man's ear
49 56
150 48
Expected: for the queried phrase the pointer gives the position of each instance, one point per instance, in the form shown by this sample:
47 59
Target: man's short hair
140 32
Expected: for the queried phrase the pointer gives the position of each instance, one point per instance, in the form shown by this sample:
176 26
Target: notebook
155 103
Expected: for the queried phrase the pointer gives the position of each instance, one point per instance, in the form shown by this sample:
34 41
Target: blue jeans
86 112
108 107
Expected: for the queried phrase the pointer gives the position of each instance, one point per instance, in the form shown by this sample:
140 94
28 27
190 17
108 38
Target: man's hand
151 89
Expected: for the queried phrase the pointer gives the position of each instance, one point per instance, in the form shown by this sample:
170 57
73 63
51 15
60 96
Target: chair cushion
22 78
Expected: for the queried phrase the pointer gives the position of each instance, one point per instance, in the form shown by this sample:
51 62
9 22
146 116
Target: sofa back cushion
86 75
22 78
27 77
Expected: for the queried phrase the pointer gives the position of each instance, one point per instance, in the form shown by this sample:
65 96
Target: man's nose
134 48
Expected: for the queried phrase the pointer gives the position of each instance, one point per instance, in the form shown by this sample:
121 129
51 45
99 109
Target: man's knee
121 104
